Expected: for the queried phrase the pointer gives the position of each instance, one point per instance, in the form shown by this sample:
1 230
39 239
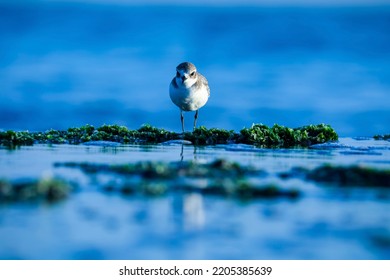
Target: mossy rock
219 177
317 134
351 176
77 135
382 137
213 136
16 138
279 136
151 134
259 135
48 190
163 170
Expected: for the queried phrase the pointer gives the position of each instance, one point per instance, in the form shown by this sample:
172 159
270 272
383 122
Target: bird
189 90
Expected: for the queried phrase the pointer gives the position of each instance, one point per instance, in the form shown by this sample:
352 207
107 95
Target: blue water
67 64
326 222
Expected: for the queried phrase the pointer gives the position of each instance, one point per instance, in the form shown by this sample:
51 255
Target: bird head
186 74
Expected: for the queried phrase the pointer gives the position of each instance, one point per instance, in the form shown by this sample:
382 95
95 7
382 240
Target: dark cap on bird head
186 66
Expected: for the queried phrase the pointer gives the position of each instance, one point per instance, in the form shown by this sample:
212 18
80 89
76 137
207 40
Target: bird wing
204 82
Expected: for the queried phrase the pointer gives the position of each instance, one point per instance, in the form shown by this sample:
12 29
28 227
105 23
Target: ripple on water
93 223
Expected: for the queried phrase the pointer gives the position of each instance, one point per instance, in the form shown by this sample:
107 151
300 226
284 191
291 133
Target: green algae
219 177
259 135
76 135
279 136
343 176
164 170
351 176
213 136
16 138
382 137
46 189
150 134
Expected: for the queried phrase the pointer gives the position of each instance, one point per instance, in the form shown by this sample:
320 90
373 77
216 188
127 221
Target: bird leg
182 120
196 118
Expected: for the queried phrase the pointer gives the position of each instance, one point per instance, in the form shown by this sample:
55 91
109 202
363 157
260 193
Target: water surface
326 222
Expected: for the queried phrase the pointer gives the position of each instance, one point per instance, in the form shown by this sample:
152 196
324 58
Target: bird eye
192 74
177 74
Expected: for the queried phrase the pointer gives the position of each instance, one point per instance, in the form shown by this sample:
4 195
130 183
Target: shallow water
326 222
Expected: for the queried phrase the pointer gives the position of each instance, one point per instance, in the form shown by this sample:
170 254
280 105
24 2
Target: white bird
189 90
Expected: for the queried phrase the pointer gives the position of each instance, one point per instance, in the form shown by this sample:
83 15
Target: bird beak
185 77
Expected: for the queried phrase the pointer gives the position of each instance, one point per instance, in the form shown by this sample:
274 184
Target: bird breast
189 99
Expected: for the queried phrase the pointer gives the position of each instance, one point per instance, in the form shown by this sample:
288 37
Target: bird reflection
182 153
190 206
193 210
